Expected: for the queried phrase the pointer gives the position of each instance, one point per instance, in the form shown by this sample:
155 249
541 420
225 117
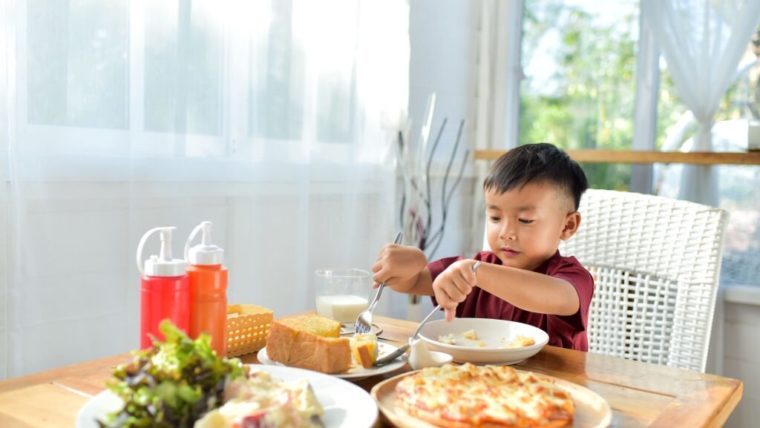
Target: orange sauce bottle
208 289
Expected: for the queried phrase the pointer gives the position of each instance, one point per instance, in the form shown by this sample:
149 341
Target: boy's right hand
453 285
398 266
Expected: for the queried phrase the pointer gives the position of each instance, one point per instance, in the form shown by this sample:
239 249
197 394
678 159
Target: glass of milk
342 293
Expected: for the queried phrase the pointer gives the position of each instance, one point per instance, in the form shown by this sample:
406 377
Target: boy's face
526 224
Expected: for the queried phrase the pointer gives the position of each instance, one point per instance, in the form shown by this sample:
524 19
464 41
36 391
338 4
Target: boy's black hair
537 162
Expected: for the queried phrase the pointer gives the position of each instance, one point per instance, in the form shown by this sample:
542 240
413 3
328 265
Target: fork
400 351
363 322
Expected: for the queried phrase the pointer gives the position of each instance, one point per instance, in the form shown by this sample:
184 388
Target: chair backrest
656 265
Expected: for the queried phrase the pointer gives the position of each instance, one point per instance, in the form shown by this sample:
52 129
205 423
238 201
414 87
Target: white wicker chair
656 265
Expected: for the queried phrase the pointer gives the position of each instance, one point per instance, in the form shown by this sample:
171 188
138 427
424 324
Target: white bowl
494 334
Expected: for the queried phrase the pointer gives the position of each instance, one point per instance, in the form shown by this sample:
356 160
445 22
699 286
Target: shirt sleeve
583 283
440 265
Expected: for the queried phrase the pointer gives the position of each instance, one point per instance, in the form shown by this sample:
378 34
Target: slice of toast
309 342
314 324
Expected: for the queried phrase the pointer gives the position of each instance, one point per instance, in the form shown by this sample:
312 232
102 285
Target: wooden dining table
639 394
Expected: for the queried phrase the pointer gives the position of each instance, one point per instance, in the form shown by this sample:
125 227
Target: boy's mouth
509 252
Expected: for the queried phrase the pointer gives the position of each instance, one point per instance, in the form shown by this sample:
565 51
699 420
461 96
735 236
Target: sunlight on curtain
272 119
702 42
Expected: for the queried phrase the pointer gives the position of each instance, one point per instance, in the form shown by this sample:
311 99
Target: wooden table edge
729 405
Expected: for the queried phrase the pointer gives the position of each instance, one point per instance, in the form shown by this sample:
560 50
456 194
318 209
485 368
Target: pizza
459 396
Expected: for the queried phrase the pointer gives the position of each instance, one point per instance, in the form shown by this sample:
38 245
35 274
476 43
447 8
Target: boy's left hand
453 285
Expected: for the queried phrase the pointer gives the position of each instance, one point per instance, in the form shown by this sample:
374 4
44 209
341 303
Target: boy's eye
495 219
524 221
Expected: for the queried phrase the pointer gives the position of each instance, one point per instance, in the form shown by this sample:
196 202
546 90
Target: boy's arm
423 285
404 269
528 290
525 289
420 284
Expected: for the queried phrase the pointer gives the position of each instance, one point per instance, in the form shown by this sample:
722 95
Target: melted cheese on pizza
470 395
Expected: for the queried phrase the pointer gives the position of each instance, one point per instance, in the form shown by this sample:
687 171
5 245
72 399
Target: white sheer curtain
269 118
703 41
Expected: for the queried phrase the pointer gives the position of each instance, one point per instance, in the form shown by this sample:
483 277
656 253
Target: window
739 186
281 83
298 48
190 78
76 65
184 68
579 58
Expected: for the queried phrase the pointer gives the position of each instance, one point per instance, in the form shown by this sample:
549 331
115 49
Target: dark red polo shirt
565 331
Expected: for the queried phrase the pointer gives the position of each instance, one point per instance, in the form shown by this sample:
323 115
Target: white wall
4 241
740 340
442 38
442 61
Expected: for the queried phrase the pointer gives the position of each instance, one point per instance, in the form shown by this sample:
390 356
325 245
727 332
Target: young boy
532 194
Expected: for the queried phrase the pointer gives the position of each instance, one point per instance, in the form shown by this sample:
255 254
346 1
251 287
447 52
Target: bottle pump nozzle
166 244
164 264
204 253
206 235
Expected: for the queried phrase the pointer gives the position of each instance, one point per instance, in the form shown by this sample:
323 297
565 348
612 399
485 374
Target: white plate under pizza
470 395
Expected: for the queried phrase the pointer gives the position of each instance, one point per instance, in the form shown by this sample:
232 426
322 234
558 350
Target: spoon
400 351
363 322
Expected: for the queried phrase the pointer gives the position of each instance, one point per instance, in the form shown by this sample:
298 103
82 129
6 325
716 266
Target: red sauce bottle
164 289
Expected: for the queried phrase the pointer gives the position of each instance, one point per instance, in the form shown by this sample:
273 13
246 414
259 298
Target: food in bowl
474 396
470 335
448 339
493 335
471 338
519 341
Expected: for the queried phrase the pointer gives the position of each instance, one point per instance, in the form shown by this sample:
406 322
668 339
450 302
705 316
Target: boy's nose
507 233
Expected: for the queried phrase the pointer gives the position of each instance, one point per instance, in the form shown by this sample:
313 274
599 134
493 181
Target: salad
171 384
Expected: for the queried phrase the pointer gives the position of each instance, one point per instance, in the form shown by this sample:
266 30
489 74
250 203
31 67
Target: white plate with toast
355 372
346 405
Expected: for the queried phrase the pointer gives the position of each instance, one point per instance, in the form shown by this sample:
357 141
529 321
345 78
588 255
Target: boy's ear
572 221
